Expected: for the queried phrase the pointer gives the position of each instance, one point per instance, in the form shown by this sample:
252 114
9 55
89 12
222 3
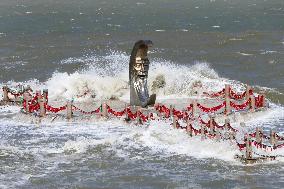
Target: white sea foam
268 52
235 39
245 54
81 144
107 76
161 137
122 138
5 110
83 60
270 118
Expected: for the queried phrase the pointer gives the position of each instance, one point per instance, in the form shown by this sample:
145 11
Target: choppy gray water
90 40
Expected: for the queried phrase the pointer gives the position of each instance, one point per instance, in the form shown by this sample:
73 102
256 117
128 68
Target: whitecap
235 39
268 52
245 54
140 3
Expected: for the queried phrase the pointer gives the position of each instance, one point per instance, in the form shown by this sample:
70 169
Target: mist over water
73 47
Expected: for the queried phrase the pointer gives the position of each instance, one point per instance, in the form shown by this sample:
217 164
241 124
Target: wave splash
106 77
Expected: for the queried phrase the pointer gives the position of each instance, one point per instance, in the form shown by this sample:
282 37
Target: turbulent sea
71 47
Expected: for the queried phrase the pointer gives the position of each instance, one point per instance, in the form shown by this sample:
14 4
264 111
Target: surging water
105 153
83 46
118 155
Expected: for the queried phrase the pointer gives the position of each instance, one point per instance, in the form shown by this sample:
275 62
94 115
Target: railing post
184 113
217 134
41 101
272 140
138 118
189 127
171 111
149 117
227 122
27 104
202 132
175 122
252 103
158 111
104 110
248 88
126 113
248 148
69 109
194 108
211 125
45 94
258 136
5 94
264 103
227 99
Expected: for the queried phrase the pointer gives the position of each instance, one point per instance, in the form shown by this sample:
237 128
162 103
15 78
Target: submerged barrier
229 94
257 139
207 129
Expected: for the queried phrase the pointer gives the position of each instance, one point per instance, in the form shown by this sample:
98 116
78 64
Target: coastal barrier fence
207 129
249 101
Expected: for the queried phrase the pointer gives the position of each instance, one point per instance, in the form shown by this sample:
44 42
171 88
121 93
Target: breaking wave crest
106 77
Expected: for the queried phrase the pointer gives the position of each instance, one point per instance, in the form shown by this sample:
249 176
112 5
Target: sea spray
107 77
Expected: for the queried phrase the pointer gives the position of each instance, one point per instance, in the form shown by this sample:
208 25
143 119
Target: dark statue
138 75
